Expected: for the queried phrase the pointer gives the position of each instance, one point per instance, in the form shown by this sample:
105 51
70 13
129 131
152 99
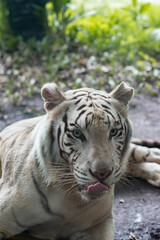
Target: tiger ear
52 96
122 93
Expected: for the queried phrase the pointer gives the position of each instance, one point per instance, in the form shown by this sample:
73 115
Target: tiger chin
57 172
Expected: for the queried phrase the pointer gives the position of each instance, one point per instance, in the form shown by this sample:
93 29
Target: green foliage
57 15
7 39
61 13
123 32
126 34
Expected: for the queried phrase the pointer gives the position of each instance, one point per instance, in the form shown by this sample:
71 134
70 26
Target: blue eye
77 133
113 132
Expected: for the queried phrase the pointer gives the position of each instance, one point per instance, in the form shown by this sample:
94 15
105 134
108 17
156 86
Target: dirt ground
137 205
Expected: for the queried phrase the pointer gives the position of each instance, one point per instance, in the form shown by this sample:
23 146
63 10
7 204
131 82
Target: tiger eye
113 132
77 133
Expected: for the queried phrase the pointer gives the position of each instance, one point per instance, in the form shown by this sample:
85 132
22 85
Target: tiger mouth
94 189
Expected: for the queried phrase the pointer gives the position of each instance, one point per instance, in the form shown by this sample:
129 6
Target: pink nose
100 175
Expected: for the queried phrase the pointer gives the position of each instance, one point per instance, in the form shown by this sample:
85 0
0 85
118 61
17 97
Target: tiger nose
100 175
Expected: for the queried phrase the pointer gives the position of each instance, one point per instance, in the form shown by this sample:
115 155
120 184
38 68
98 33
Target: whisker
125 181
68 191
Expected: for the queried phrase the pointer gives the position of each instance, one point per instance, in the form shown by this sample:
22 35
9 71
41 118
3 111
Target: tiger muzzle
101 175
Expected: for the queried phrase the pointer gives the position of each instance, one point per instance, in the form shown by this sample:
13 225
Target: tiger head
91 133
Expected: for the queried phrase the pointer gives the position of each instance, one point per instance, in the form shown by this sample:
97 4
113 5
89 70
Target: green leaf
158 84
146 57
134 3
150 89
144 7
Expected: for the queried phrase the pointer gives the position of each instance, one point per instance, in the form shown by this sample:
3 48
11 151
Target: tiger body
52 205
58 171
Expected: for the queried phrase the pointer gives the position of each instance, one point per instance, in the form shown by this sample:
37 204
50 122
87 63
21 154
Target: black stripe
90 113
93 117
82 106
83 111
109 113
147 143
119 134
80 177
65 120
68 144
105 100
52 130
127 137
125 128
119 147
100 95
62 153
117 170
118 175
116 123
106 107
96 105
74 125
81 95
109 122
49 149
91 105
72 150
37 164
78 101
120 142
17 222
69 135
76 157
80 172
120 119
58 137
133 154
44 200
118 153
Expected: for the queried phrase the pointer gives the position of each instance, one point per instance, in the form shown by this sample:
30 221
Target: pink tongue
97 188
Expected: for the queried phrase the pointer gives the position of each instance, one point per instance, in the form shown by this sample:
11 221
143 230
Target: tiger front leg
103 231
9 225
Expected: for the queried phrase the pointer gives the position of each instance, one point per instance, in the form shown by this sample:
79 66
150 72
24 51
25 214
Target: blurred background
78 43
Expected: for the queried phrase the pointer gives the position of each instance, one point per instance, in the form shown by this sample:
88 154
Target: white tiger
57 172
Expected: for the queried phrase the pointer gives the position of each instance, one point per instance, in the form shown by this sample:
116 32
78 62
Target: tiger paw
154 155
155 180
80 236
151 173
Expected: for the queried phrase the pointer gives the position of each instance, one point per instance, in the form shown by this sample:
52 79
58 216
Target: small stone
105 69
132 237
122 201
